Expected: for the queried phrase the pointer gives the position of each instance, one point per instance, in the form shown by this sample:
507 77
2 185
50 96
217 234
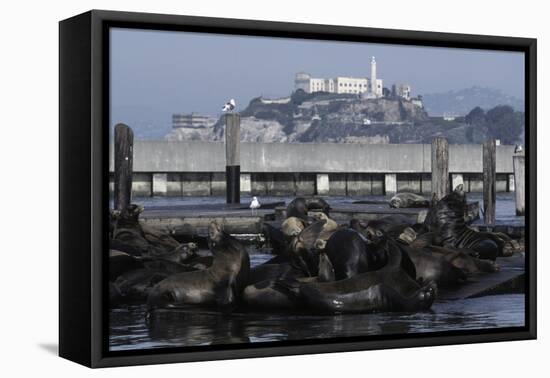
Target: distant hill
347 118
460 102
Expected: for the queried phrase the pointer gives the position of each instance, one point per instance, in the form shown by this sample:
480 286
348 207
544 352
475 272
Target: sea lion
127 231
326 269
264 295
292 226
377 291
218 286
408 200
435 268
161 240
352 253
120 263
297 208
446 218
464 260
135 285
269 272
276 239
329 227
182 254
393 225
317 203
302 251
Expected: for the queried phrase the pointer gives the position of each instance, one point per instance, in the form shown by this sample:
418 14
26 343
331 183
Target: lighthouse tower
373 82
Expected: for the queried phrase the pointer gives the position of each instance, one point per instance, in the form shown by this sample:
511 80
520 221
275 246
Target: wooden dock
510 279
193 220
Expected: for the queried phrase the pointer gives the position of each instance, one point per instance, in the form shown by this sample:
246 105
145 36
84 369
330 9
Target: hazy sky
161 73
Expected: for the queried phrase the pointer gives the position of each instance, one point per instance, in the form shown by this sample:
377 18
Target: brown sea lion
408 200
329 227
292 226
218 286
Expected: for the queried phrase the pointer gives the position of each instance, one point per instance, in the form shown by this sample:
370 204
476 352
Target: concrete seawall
198 168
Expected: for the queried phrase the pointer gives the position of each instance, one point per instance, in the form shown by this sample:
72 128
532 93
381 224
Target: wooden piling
232 157
489 181
519 183
123 159
440 167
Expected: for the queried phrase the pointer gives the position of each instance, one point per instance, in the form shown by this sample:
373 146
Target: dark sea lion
367 292
166 266
446 218
182 254
317 203
352 253
201 262
297 208
161 240
276 239
302 251
218 286
128 231
135 285
408 200
426 239
269 272
392 224
464 260
263 295
120 263
435 268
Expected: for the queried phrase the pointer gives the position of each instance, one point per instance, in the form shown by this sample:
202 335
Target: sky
157 73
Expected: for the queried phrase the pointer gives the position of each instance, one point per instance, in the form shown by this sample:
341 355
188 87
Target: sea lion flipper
311 233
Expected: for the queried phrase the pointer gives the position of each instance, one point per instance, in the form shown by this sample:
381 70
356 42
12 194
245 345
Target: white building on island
372 87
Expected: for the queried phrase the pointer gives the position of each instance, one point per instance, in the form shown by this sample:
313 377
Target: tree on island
475 117
501 122
504 124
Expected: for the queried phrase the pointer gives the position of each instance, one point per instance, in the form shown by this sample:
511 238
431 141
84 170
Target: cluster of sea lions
319 266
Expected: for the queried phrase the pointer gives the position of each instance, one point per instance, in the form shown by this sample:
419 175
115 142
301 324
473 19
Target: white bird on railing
229 106
254 205
518 149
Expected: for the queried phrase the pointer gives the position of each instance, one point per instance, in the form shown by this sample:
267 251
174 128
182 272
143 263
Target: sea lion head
129 215
320 216
215 234
374 235
186 252
396 202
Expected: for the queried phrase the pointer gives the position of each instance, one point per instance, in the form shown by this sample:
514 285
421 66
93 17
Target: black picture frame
83 196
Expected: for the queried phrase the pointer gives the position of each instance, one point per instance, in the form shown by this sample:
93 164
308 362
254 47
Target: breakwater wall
198 168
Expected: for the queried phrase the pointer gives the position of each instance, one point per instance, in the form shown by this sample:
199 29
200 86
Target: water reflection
131 330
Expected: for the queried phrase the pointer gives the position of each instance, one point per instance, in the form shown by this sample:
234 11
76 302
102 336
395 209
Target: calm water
130 330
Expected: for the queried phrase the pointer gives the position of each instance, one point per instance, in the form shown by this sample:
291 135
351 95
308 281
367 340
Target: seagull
519 149
254 205
229 106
